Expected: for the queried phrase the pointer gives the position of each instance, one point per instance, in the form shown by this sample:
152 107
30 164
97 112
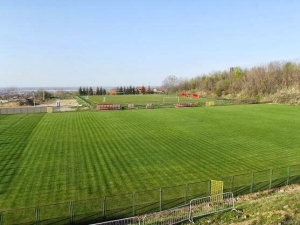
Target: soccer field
49 158
140 101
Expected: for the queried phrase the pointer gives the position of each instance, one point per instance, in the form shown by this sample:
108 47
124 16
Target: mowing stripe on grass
49 158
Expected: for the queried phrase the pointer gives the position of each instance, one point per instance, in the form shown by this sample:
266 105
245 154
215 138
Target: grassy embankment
276 206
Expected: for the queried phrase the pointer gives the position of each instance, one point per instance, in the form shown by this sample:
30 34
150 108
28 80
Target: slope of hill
277 206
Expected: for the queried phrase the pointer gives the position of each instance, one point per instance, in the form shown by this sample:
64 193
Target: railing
32 109
148 201
211 204
188 212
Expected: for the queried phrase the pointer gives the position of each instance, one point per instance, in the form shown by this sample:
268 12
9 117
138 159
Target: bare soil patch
63 102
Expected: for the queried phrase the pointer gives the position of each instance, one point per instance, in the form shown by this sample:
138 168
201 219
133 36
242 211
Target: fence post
71 209
160 199
288 176
37 216
271 178
104 208
186 192
252 180
133 203
209 188
232 184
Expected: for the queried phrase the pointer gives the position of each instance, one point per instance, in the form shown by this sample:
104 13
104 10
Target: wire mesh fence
146 202
171 216
155 103
211 204
38 109
186 212
22 110
125 221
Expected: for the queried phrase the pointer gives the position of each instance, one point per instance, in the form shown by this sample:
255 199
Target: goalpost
170 100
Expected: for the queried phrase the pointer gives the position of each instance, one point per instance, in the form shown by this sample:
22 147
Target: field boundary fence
188 212
132 204
32 109
92 105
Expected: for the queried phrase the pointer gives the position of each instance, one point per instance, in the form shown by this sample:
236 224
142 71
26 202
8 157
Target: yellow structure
49 110
211 103
216 187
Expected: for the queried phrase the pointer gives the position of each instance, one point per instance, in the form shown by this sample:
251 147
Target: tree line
91 91
120 90
134 90
130 90
255 82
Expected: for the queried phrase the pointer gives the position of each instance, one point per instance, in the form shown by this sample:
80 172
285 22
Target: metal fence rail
145 202
187 212
211 204
131 220
31 110
171 216
22 110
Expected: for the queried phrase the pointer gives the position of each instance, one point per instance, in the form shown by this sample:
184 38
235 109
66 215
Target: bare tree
170 83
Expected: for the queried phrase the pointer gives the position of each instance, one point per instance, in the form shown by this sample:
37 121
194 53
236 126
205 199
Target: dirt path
64 102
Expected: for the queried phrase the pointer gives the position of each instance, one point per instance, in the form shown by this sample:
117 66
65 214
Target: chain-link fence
149 201
90 105
188 212
32 109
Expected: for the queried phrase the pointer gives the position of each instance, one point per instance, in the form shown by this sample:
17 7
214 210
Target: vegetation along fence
188 212
89 104
145 202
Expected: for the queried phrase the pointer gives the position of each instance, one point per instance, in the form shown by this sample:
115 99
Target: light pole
33 98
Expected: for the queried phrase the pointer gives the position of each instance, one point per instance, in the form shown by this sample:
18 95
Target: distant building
158 90
112 92
139 89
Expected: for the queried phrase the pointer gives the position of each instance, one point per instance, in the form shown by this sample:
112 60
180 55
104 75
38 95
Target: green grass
128 99
50 158
275 206
140 101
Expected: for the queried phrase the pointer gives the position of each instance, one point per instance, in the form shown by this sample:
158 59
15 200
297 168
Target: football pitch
58 157
140 101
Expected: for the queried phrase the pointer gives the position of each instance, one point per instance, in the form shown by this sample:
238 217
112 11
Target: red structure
185 95
107 106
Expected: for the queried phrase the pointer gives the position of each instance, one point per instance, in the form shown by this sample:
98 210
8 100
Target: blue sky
130 42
